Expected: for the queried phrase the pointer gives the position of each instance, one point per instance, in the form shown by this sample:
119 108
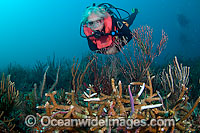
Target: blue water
32 30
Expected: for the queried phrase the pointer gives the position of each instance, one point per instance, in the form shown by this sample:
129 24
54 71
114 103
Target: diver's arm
112 50
108 50
132 18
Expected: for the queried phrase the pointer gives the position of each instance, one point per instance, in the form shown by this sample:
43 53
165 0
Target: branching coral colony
9 98
148 104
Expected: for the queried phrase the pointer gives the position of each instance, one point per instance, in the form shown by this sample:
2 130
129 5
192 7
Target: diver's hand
135 10
112 50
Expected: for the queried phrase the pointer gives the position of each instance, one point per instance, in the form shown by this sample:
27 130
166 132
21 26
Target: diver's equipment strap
120 24
98 34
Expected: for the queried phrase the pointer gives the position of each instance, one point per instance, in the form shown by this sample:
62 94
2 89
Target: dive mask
95 24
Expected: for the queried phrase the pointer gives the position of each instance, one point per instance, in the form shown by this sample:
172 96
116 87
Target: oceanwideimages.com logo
102 122
30 120
47 121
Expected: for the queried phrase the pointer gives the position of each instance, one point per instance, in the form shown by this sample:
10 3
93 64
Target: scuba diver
105 31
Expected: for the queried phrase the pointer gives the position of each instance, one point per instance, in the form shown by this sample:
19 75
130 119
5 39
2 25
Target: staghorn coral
147 105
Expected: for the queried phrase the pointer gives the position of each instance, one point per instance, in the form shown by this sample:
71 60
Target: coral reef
121 88
147 104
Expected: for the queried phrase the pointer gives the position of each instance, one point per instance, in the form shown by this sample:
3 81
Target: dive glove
134 10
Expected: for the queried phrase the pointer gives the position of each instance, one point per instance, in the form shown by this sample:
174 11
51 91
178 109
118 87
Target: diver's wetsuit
123 31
